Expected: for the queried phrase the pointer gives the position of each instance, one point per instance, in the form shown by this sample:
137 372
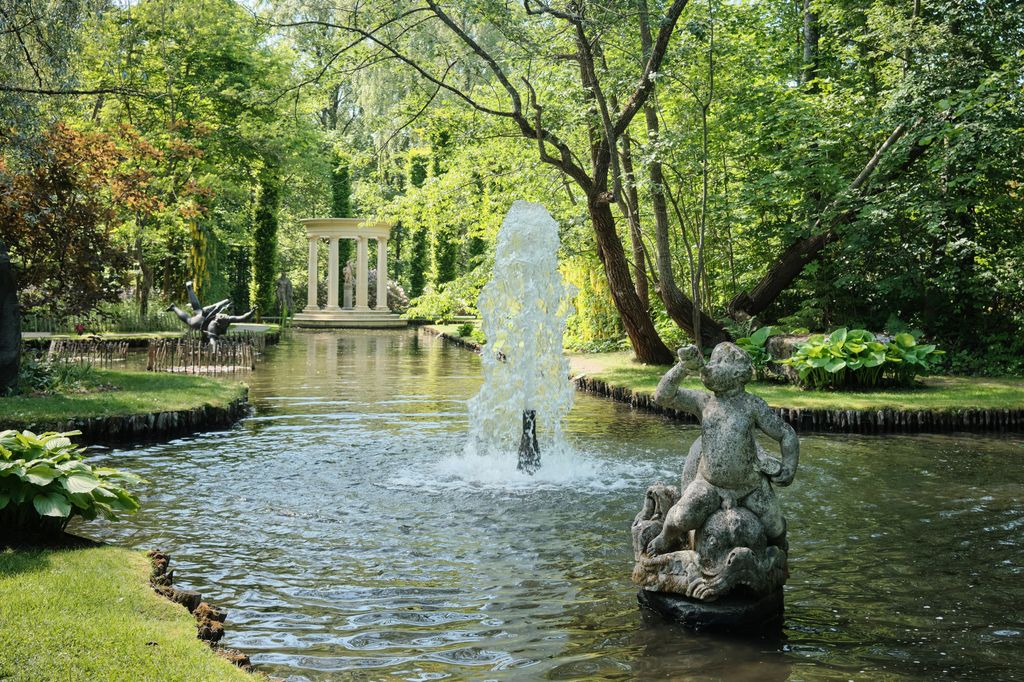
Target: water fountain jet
526 389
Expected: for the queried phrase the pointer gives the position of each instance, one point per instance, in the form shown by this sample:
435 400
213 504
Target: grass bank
932 393
90 614
133 393
937 394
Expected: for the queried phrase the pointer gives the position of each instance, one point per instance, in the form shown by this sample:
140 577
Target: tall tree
265 237
10 324
522 106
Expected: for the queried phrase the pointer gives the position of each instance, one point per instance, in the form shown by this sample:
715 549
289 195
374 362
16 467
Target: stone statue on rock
349 286
721 535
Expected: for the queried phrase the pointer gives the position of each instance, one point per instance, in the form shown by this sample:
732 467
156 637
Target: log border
808 420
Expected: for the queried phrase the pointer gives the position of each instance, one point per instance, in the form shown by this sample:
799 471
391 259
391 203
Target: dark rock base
730 613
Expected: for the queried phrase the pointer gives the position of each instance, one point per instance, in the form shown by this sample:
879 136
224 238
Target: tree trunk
10 324
678 306
647 345
792 261
630 201
811 39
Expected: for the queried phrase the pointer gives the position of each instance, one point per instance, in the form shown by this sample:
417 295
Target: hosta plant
44 483
756 346
906 358
856 357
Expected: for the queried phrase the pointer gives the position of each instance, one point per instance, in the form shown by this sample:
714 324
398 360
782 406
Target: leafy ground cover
89 614
930 393
133 393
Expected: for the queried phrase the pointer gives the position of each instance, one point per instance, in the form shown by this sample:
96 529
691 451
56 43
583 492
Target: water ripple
349 537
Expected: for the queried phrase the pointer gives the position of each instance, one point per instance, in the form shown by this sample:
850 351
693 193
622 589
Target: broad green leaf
52 504
80 483
759 337
74 465
83 501
58 442
838 336
42 474
874 360
835 365
906 340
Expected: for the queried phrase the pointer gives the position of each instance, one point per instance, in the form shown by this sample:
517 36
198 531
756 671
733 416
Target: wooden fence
98 353
237 353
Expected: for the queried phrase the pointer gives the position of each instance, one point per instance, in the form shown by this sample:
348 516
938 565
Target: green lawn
89 614
936 393
138 393
933 393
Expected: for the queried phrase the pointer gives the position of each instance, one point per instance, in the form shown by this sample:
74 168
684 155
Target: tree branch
643 91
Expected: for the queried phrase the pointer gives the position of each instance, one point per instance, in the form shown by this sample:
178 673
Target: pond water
349 539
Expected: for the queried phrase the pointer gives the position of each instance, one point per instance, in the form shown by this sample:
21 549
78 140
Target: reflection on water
349 539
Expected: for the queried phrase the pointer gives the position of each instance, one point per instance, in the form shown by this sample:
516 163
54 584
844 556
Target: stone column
313 265
362 276
382 274
332 275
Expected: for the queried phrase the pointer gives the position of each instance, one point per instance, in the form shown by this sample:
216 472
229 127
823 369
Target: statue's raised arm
668 393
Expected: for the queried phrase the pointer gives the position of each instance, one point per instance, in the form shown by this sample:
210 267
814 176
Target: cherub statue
731 469
727 498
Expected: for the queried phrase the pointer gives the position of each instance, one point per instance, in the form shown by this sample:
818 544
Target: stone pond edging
209 619
876 421
149 427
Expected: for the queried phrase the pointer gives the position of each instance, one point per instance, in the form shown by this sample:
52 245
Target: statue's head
729 368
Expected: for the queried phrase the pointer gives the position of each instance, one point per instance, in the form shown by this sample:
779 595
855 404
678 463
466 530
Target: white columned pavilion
382 273
311 265
361 314
362 280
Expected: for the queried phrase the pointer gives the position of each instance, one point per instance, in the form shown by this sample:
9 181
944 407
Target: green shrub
856 357
451 299
756 347
44 483
465 329
38 375
478 336
906 358
434 306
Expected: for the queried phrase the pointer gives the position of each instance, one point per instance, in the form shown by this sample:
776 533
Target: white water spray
526 391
